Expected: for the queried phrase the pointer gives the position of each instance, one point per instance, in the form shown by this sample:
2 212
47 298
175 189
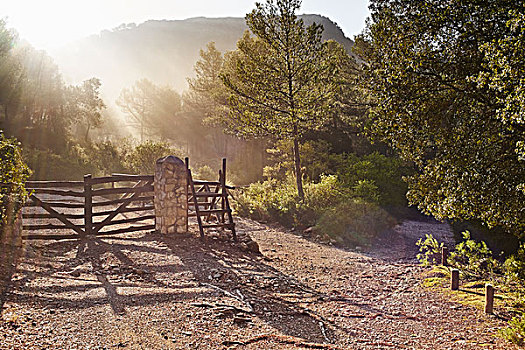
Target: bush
143 157
429 248
382 176
268 200
205 172
274 200
328 205
354 222
515 333
50 166
514 266
13 174
474 259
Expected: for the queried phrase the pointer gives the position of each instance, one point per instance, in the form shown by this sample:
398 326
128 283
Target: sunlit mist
53 23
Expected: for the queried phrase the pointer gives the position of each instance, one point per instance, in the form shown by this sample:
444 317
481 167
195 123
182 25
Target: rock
75 273
308 232
253 247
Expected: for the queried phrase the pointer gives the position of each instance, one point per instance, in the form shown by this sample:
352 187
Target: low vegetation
13 174
346 207
478 266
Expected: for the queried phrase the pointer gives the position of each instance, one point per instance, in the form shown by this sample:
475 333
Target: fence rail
88 207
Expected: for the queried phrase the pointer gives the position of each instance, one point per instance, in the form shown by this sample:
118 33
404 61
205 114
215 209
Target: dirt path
160 292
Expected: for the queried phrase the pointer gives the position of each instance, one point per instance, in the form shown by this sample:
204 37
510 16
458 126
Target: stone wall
171 197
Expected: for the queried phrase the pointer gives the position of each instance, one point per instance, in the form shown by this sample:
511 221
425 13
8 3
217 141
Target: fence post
88 205
171 201
444 256
489 299
454 279
186 191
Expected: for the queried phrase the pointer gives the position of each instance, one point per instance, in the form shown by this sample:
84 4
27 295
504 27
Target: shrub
143 157
514 266
383 177
367 190
429 248
277 200
70 165
108 157
13 174
354 222
268 200
474 259
515 333
205 172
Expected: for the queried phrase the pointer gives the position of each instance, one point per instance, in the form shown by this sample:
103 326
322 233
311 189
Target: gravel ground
150 291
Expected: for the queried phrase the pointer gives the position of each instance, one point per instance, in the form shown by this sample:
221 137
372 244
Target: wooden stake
489 299
88 205
444 256
454 279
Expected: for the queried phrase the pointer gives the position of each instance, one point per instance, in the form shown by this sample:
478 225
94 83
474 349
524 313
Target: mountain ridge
163 51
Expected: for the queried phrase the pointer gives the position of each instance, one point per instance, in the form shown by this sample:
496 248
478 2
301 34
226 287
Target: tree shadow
218 270
273 296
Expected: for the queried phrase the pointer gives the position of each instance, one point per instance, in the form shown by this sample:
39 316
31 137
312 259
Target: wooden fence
208 200
90 207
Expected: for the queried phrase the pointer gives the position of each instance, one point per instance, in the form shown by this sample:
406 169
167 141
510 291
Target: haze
54 23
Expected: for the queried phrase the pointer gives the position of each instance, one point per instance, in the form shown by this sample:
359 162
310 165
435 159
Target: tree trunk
297 161
86 136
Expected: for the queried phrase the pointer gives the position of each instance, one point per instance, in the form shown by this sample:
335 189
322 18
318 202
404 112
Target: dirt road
149 291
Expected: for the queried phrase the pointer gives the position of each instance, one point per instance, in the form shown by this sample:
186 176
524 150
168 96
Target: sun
53 23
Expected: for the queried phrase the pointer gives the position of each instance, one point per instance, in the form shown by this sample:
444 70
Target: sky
50 24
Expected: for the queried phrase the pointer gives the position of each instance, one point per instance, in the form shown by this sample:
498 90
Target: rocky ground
149 291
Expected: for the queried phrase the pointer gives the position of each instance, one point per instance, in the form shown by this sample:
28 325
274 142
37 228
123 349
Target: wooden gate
209 200
54 209
90 207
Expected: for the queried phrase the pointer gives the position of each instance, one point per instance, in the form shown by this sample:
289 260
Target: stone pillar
171 201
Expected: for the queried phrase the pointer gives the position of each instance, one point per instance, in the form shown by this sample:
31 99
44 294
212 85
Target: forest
424 115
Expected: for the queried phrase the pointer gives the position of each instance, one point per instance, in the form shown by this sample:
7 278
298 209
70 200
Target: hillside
162 51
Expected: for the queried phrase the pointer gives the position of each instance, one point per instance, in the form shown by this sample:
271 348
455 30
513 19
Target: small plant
143 157
13 174
354 222
514 266
515 332
205 172
474 259
429 248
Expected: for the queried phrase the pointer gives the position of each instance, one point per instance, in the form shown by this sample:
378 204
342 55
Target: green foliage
76 160
13 174
281 81
446 79
375 177
367 190
205 172
376 170
327 204
354 222
206 93
98 159
429 248
48 165
274 200
474 259
143 157
514 266
515 332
